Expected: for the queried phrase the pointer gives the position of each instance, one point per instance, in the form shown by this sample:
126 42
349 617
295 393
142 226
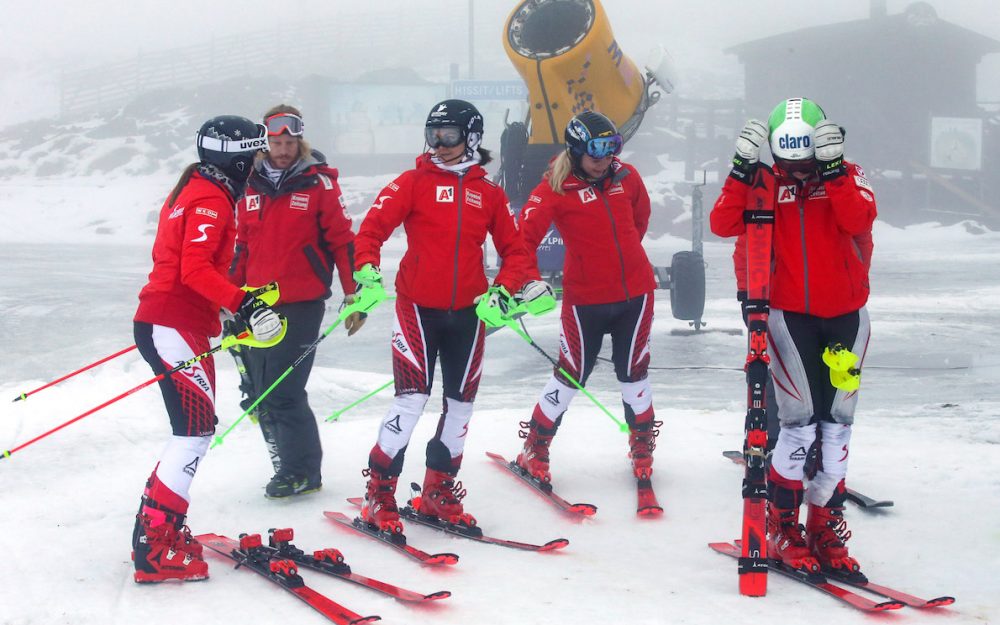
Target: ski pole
243 338
366 299
490 317
69 375
336 414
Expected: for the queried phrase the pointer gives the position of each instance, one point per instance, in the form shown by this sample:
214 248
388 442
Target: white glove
753 135
828 139
533 289
264 323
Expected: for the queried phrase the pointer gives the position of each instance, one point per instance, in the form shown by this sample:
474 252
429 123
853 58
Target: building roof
918 24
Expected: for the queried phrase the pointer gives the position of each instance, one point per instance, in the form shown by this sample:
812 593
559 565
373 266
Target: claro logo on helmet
788 142
254 144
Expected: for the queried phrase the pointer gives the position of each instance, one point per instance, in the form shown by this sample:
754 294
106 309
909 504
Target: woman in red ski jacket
447 207
601 208
824 208
178 312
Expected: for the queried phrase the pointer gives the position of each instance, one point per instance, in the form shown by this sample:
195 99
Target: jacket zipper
801 200
458 238
614 235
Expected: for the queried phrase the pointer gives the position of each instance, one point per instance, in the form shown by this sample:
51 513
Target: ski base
284 574
396 541
817 581
472 533
543 488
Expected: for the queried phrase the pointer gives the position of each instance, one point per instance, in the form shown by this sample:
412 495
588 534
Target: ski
331 562
648 505
817 581
248 552
759 219
896 595
543 488
409 513
396 541
859 499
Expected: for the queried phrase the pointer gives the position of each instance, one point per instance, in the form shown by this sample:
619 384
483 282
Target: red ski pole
243 338
80 370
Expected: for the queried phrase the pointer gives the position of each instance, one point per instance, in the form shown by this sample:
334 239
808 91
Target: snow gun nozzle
844 375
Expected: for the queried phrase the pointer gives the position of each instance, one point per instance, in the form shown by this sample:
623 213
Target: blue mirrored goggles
603 147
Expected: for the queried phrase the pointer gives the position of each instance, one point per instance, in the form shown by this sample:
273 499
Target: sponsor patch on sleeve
207 212
535 198
862 182
393 186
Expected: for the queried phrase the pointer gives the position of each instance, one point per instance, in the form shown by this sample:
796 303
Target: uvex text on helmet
230 142
462 115
790 129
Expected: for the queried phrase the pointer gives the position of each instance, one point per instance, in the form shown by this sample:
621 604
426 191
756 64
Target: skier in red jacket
447 207
601 208
178 312
824 209
293 228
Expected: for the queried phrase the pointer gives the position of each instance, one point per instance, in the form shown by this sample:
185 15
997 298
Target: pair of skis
892 599
279 562
647 506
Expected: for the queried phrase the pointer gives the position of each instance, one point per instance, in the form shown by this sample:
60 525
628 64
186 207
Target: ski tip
436 596
940 601
888 605
552 545
365 619
355 501
650 512
447 559
586 509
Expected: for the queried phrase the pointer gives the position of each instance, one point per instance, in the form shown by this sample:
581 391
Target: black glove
264 323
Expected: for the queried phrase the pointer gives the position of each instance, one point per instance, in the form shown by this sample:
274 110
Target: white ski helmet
790 129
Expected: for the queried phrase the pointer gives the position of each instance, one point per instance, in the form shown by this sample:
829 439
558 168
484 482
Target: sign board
957 143
489 90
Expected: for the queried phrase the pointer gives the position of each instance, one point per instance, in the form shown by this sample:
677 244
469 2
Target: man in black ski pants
293 228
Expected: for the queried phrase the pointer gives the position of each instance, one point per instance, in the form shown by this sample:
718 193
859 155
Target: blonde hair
558 171
305 149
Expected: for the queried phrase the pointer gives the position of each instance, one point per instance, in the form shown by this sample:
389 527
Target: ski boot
534 458
167 551
282 486
642 442
379 508
786 542
826 531
442 499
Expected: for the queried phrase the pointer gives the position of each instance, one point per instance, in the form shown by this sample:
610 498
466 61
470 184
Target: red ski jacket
294 234
446 217
192 250
602 227
822 240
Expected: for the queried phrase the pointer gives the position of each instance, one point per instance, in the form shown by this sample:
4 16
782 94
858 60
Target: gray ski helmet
462 115
230 142
790 129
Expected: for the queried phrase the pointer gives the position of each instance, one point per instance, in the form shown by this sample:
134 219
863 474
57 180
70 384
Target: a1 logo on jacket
445 194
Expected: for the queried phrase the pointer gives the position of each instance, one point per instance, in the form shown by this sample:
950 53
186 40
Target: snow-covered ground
74 255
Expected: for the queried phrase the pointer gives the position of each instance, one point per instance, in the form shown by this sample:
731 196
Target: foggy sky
40 38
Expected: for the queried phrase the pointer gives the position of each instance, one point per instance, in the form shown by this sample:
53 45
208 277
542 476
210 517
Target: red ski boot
785 539
442 498
379 508
167 552
534 458
827 532
642 442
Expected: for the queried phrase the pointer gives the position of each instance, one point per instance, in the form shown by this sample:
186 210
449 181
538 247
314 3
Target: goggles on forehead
603 147
245 144
443 136
281 123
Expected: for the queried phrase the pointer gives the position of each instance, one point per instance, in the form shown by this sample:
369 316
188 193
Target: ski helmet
230 143
453 122
790 129
593 134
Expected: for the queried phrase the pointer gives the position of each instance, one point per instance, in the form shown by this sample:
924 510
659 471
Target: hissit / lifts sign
489 90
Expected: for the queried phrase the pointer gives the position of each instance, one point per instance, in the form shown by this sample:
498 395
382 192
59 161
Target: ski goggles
805 166
603 147
231 146
443 136
281 123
